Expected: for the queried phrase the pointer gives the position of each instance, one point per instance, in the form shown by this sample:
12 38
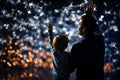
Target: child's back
60 60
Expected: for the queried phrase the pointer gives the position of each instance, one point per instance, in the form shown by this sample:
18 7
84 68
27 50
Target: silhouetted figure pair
86 56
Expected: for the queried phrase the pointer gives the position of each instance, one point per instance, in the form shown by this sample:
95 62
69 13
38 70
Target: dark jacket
87 57
60 62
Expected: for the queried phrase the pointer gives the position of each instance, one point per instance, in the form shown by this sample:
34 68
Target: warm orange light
29 48
37 51
9 75
22 61
30 59
25 65
45 65
27 60
107 67
15 63
3 53
5 48
40 62
49 60
11 51
44 56
10 41
10 47
8 63
36 61
49 54
30 54
25 74
22 76
30 74
18 50
4 61
20 55
4 41
51 65
16 43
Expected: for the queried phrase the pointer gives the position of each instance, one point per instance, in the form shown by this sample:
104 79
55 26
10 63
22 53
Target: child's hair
60 42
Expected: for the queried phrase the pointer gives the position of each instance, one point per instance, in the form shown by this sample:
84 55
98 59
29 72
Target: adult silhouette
87 55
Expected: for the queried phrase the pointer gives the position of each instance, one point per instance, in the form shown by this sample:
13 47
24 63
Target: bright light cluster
24 35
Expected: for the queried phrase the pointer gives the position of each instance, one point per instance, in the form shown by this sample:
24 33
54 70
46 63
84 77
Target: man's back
87 56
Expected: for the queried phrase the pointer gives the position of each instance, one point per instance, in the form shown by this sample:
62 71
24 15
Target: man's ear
84 29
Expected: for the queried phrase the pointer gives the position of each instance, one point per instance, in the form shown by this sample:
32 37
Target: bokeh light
24 46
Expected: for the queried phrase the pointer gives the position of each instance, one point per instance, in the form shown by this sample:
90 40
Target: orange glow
25 65
27 60
16 43
49 60
36 61
37 51
25 74
20 55
30 54
30 60
107 67
9 75
36 75
44 56
3 53
10 41
10 47
40 62
4 61
22 61
29 48
11 51
8 63
18 50
51 66
30 74
15 63
5 48
49 54
22 76
45 65
16 58
4 41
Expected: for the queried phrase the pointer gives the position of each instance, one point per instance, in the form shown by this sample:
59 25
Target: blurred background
24 46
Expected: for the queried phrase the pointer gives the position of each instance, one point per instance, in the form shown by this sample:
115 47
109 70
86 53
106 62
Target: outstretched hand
88 10
49 26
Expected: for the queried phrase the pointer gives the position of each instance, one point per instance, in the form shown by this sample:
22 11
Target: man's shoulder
78 43
98 34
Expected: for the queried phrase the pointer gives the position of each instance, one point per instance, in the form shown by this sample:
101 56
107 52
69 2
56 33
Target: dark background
14 11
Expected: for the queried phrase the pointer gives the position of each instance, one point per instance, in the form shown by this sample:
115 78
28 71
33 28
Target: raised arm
50 33
88 9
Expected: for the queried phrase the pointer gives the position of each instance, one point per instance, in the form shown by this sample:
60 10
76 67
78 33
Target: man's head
60 42
87 25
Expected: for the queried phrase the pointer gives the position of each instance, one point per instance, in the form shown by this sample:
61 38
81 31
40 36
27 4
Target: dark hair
90 23
60 42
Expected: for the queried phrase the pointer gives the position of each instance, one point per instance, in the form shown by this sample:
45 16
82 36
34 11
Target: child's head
60 42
